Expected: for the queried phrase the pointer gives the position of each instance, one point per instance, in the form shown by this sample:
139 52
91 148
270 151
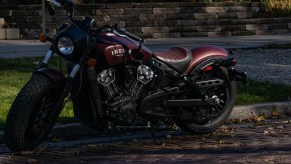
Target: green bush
153 1
278 7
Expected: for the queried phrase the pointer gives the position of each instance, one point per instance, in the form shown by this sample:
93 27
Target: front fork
65 84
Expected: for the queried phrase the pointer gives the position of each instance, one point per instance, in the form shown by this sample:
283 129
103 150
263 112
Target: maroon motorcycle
116 82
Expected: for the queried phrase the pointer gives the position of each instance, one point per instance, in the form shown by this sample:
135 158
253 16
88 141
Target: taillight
208 68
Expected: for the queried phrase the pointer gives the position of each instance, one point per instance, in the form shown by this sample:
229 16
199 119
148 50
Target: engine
121 95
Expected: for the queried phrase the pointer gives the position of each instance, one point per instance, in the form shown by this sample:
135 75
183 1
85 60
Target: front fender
54 75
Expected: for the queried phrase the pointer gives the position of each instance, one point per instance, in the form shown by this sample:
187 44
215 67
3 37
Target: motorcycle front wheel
29 120
207 119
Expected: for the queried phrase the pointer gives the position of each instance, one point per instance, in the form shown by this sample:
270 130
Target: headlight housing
71 42
65 46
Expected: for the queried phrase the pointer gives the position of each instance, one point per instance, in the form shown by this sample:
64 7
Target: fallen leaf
56 140
266 132
280 127
35 62
135 140
31 161
261 118
168 136
91 145
275 113
237 144
270 129
26 152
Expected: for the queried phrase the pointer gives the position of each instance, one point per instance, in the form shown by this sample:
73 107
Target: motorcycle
114 82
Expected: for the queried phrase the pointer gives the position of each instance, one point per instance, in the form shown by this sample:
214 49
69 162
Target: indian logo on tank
120 52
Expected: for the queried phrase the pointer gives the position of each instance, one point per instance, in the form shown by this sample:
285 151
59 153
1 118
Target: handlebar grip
132 36
67 4
62 2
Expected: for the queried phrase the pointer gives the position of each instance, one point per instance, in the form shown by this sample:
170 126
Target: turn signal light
231 62
42 38
92 62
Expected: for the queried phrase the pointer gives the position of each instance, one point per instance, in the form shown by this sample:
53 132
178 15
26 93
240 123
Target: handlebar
133 36
123 33
68 6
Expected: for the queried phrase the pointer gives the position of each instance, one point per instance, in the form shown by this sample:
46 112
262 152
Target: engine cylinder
144 75
107 79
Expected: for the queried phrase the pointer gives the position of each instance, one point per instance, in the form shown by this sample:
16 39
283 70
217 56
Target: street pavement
21 48
260 142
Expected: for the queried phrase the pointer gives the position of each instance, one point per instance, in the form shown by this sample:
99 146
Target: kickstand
152 132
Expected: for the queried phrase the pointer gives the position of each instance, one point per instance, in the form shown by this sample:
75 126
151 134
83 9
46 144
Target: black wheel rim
39 123
220 94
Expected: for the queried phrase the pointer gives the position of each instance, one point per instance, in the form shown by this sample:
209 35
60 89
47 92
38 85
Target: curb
269 110
281 109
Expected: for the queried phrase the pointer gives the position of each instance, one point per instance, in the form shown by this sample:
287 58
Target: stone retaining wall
156 20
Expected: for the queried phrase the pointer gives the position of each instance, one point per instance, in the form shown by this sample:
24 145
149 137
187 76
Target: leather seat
176 57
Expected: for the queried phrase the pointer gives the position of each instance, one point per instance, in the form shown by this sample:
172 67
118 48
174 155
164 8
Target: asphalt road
262 142
21 48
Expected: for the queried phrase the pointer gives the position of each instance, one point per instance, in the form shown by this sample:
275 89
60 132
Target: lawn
15 72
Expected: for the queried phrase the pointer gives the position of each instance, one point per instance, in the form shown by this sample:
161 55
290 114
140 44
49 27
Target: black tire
27 122
209 125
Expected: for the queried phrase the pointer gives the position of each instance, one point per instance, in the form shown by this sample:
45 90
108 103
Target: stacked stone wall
156 20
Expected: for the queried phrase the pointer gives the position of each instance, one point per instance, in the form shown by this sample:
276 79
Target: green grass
14 73
261 92
277 46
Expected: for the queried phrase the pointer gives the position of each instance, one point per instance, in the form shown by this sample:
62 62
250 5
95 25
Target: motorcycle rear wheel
28 122
206 120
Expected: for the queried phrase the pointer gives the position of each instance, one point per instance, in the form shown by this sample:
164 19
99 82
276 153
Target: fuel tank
117 50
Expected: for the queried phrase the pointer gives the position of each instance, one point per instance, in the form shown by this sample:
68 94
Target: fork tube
75 70
48 57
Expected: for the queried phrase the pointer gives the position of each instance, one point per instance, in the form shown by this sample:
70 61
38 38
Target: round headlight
70 42
65 46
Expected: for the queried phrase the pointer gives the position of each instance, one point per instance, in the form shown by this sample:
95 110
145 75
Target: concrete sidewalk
22 48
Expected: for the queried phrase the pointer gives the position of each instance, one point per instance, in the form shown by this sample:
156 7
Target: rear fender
234 75
205 55
206 63
55 76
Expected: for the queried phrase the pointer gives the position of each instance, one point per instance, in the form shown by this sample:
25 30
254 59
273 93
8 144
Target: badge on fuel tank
120 52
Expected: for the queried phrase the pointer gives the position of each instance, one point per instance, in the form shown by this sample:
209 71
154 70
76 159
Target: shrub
278 7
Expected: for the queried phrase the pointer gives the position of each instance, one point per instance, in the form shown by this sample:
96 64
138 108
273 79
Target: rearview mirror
49 9
56 3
